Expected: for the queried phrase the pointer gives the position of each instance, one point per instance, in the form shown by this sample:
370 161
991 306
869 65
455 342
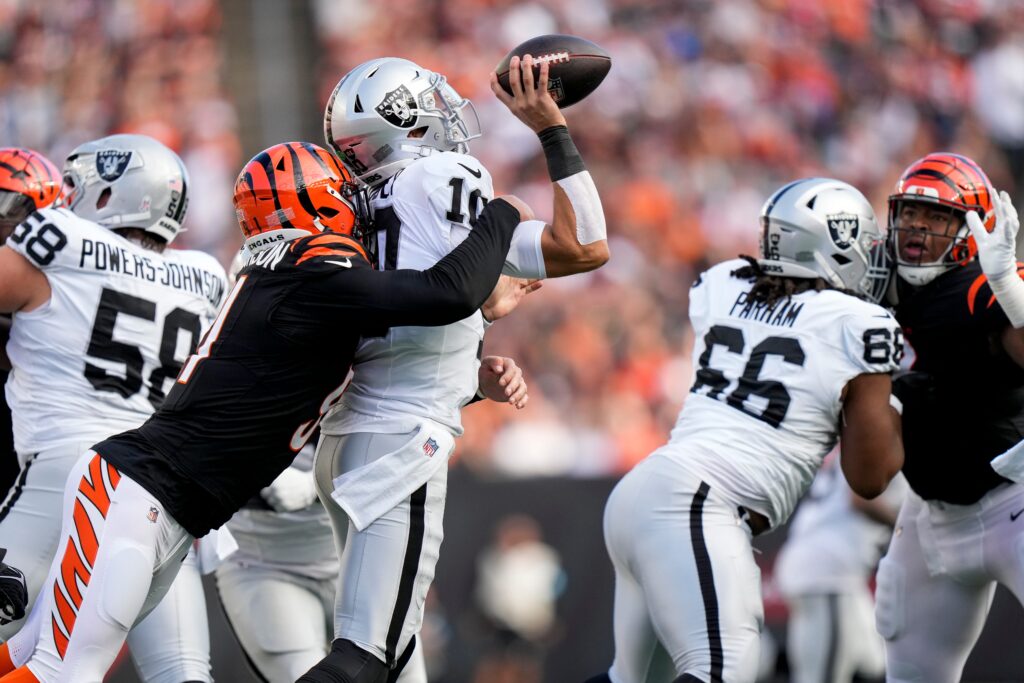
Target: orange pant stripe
93 488
86 534
59 639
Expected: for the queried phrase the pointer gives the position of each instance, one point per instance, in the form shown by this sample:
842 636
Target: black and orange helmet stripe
294 185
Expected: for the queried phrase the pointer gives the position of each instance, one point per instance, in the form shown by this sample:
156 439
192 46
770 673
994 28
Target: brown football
577 66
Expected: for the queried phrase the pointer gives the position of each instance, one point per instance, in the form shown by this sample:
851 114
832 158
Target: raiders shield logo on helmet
111 163
844 229
397 106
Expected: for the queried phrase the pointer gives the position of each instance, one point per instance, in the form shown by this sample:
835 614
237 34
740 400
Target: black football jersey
279 356
963 401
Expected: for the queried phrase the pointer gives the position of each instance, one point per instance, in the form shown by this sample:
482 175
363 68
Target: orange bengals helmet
928 231
292 190
28 181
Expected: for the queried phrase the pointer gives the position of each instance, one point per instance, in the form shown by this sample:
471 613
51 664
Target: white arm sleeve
525 258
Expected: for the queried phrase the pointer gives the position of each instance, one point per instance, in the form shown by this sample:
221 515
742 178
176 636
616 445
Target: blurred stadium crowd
708 106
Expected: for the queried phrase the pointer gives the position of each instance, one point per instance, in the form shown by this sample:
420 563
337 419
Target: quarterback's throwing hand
502 380
997 249
13 593
532 104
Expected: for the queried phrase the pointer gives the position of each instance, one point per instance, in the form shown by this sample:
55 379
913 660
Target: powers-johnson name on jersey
105 255
126 315
768 385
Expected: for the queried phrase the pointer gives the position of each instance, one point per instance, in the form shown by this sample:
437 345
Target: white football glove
997 254
294 489
997 250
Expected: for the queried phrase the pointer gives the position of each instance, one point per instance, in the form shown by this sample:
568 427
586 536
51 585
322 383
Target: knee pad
347 663
123 591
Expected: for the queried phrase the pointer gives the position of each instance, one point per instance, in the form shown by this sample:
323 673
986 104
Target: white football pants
936 583
386 569
172 644
118 555
282 620
687 590
831 637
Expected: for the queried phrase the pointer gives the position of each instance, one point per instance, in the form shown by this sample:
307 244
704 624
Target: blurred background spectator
709 106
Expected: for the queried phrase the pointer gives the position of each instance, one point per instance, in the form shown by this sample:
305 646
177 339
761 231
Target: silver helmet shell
819 227
128 181
386 113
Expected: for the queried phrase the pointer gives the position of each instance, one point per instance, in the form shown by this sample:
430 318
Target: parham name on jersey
782 313
106 256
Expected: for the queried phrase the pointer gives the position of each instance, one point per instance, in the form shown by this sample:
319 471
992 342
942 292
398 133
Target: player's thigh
105 569
692 557
387 568
727 582
280 620
30 520
636 644
172 643
929 622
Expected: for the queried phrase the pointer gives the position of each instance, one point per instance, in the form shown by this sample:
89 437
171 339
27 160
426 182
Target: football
577 66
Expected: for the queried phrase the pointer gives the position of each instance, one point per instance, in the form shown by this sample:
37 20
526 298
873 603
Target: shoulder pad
331 249
54 238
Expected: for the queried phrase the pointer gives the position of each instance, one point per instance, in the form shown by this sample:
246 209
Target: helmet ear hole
416 133
104 198
327 211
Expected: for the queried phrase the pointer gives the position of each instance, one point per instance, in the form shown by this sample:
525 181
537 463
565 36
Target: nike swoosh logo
475 172
347 263
1015 515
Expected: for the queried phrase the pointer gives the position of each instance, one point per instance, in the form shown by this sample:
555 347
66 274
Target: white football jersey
830 545
423 213
765 404
100 355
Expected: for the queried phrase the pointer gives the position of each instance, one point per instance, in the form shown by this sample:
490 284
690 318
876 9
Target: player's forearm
577 239
458 284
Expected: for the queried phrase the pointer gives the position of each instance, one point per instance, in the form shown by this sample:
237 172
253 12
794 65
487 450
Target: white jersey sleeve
765 404
99 356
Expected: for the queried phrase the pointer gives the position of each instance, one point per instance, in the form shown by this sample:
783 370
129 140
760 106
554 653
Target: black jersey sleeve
451 290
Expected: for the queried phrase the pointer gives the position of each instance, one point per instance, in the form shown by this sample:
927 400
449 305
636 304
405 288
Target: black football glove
13 592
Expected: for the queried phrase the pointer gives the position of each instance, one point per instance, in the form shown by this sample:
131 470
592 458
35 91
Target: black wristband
560 151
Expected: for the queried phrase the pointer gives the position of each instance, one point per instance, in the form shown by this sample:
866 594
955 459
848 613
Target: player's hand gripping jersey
769 383
423 212
963 402
130 315
278 357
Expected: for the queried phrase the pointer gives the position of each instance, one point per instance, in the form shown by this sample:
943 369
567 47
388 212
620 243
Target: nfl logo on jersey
152 515
430 447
